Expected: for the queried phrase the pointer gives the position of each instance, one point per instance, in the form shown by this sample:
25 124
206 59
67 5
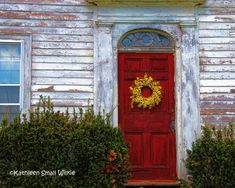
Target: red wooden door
149 132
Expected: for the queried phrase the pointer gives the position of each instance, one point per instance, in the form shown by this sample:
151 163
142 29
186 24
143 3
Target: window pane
9 50
9 94
9 72
9 111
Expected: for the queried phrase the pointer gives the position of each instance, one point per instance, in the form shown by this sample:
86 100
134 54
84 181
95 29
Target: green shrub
211 162
48 142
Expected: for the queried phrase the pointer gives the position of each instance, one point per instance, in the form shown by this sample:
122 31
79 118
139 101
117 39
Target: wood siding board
220 3
45 15
217 96
216 33
217 18
64 95
62 47
67 102
61 66
216 25
212 54
61 81
64 59
216 40
217 82
217 11
45 30
45 23
218 104
217 47
218 68
152 18
217 89
217 111
217 124
62 38
220 118
44 8
47 2
217 75
62 88
62 74
62 52
65 45
217 61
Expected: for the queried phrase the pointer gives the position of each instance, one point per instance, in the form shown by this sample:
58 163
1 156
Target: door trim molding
186 77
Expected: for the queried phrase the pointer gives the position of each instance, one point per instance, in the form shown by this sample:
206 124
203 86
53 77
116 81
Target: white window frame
25 71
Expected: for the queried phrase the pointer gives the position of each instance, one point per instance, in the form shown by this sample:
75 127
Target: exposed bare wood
217 96
216 89
64 95
62 2
44 16
8 31
85 31
45 23
218 118
217 61
61 81
218 104
68 45
44 8
218 112
217 18
62 88
63 38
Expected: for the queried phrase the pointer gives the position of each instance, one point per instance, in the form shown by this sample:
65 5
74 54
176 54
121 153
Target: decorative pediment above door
146 2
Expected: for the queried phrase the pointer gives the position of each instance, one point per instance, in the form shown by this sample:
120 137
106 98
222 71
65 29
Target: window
146 39
11 65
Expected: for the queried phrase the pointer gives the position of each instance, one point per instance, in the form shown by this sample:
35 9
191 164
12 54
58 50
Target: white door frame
108 34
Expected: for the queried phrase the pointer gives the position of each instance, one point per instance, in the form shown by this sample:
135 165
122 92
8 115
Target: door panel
148 131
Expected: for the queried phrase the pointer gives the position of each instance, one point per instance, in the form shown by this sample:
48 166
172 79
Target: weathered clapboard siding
217 61
62 38
47 2
62 47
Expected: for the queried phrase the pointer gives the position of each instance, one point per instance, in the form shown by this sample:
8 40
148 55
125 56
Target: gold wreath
137 97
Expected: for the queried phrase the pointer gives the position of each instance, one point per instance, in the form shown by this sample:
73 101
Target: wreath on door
137 92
